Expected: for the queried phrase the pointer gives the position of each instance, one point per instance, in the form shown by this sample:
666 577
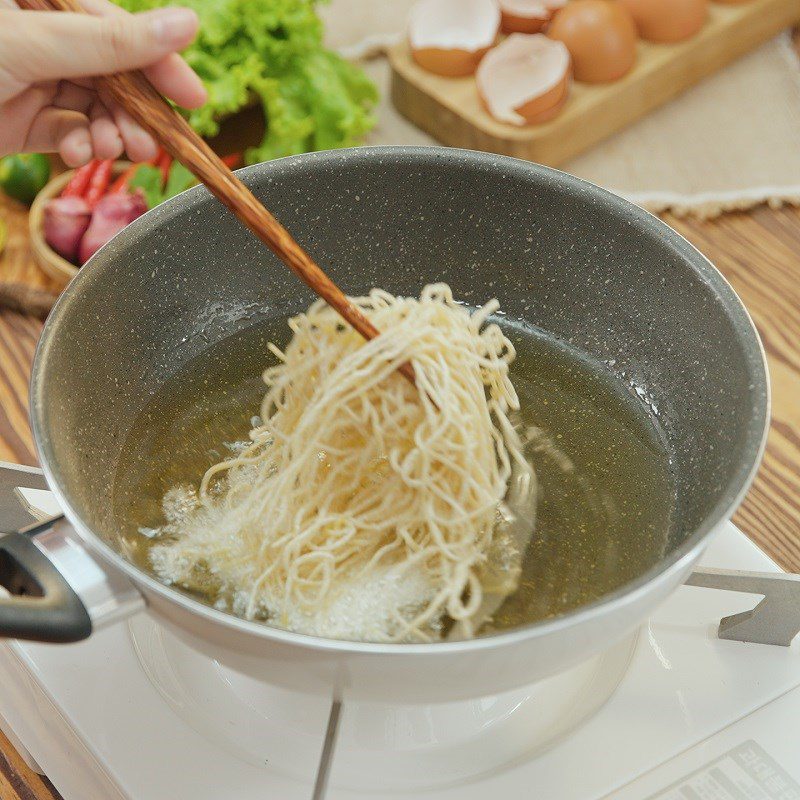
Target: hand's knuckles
117 40
68 127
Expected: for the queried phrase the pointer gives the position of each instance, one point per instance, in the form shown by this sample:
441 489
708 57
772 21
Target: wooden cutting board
449 108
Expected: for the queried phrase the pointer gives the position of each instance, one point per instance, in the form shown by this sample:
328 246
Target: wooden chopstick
144 103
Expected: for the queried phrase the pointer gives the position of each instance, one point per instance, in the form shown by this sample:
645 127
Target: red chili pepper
164 163
121 183
99 182
232 161
80 180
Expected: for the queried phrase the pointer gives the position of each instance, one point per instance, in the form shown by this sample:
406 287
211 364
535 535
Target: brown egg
732 2
600 36
527 16
450 37
524 80
667 20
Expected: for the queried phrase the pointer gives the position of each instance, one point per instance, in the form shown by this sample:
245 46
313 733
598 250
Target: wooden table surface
758 253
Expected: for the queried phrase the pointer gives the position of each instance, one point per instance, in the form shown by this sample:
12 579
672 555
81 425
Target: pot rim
671 565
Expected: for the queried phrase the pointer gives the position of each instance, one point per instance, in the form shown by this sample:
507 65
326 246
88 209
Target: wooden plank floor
757 251
18 781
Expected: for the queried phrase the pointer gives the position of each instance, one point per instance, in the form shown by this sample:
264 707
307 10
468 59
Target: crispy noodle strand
358 481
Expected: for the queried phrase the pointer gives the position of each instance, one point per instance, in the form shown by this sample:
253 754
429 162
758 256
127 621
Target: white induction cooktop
132 713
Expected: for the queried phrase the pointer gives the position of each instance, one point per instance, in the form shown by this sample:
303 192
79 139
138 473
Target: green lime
24 175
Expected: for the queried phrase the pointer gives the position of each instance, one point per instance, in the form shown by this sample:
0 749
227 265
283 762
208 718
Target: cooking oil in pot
606 495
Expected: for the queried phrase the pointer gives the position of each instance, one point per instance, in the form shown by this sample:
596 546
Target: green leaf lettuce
272 51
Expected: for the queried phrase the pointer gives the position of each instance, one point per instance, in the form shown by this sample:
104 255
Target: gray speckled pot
557 252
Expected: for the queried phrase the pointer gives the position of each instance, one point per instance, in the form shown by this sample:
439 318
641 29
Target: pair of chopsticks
145 104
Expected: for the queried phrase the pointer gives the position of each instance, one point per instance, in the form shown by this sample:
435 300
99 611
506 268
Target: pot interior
596 291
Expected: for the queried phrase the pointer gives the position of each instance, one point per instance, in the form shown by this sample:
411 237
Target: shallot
111 215
65 222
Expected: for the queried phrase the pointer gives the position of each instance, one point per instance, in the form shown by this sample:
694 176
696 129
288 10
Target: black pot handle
41 605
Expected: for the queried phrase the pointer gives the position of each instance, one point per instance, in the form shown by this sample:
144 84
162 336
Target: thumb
61 45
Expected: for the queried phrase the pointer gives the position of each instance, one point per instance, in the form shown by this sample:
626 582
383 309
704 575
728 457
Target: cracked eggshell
525 80
527 16
450 37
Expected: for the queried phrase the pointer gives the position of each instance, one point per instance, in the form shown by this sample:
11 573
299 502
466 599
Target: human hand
49 100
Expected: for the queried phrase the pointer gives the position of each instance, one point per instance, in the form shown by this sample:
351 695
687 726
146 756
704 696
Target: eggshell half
525 79
527 16
450 37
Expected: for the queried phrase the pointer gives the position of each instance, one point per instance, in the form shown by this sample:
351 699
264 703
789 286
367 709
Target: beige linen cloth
731 142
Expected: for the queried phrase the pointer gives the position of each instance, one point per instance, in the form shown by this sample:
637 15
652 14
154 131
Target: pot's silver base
394 748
